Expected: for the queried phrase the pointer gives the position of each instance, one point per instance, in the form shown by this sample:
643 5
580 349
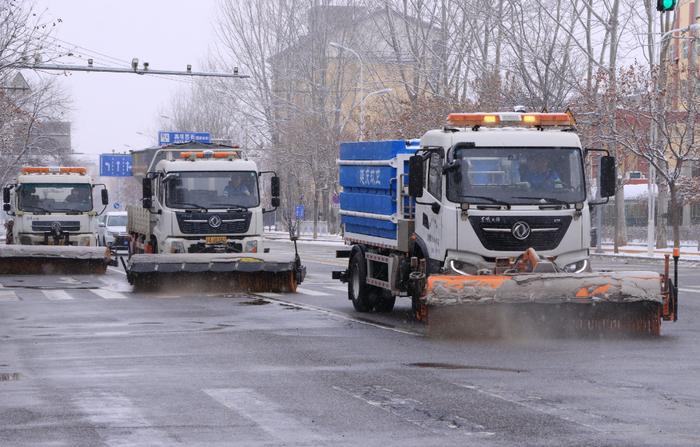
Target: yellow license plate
212 240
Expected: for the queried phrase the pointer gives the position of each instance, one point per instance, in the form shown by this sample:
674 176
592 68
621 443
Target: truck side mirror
6 198
147 188
105 197
275 186
416 173
608 176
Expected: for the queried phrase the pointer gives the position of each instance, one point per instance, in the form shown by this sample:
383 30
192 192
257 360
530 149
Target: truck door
432 218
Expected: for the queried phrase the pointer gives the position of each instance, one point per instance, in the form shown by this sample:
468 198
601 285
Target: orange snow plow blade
548 304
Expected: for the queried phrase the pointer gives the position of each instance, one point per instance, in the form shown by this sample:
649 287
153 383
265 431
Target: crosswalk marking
57 295
269 415
310 292
338 288
108 294
8 295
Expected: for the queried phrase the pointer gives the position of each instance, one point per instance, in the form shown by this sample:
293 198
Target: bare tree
641 106
25 107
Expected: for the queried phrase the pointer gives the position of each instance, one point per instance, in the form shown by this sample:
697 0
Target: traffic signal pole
135 69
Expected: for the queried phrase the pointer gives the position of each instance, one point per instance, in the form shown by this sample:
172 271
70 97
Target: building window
695 213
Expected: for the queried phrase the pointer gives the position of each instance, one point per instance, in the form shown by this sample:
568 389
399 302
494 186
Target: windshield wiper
190 206
488 199
44 210
546 199
231 206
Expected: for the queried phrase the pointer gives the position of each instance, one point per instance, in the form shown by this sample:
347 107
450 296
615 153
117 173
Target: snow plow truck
200 224
54 223
485 225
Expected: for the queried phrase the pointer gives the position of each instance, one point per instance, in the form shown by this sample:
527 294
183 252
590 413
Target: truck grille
45 225
201 223
496 232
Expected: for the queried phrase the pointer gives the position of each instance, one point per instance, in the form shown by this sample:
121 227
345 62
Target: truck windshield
207 190
55 197
116 221
516 175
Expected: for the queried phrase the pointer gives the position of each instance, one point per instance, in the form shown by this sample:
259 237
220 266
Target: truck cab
52 206
493 191
199 200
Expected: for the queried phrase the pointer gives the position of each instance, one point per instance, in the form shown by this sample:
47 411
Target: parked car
111 231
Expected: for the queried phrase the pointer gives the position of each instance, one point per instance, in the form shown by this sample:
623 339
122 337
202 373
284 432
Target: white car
111 231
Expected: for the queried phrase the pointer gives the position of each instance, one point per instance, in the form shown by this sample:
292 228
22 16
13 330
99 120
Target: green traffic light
669 4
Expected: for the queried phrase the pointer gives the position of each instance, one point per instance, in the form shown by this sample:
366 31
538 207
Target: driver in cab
540 175
236 187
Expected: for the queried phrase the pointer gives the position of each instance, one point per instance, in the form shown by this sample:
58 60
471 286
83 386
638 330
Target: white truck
492 208
54 221
201 220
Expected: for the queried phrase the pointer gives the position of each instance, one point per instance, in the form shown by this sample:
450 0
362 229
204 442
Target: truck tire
385 304
362 295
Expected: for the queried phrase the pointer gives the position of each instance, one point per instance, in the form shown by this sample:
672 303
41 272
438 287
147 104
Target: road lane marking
269 294
57 295
267 414
310 292
108 294
114 269
337 315
689 290
338 288
8 295
414 411
118 421
553 411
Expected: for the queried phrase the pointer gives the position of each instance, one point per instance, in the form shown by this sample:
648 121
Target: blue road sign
183 137
299 212
116 205
115 165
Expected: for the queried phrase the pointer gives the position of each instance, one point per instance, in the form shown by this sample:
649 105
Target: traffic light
666 5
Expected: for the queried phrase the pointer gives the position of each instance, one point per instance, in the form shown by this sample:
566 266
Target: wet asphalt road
86 362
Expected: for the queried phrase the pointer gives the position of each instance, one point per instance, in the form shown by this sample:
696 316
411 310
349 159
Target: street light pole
360 87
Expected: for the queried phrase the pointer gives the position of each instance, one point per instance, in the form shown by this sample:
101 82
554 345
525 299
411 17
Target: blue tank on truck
371 174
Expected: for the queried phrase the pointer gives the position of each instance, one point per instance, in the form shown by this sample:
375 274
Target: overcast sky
111 111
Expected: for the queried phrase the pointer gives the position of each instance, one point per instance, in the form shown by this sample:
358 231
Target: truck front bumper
74 239
214 244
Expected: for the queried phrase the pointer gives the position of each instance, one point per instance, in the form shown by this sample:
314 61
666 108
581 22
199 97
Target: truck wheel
385 304
361 294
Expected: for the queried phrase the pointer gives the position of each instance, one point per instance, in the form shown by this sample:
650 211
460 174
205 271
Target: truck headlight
177 247
577 267
251 246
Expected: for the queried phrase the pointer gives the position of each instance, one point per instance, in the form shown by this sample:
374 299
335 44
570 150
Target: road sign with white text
115 165
183 137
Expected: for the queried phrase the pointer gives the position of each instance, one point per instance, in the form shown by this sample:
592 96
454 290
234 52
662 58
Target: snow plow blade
548 304
227 272
53 259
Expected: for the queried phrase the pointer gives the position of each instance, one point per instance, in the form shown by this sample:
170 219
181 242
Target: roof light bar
510 119
209 154
53 170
